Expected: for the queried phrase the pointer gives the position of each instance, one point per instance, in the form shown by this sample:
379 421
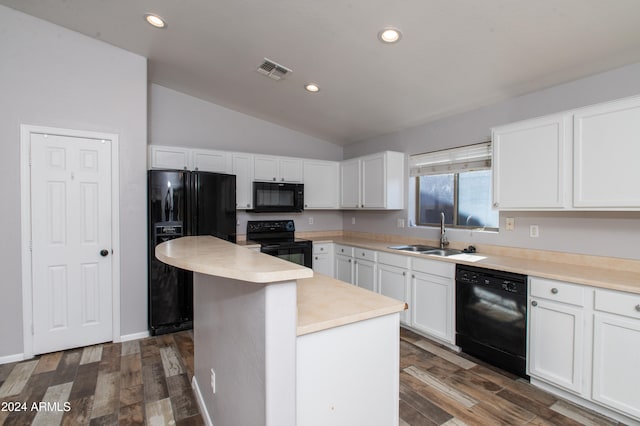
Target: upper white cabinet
320 184
583 159
242 167
606 152
169 157
529 163
373 182
211 161
277 169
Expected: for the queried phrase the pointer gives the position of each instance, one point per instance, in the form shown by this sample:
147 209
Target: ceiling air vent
273 70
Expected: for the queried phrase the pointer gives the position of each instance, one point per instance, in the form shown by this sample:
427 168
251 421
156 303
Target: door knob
104 252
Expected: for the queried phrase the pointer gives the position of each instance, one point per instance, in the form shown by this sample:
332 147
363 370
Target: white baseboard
7 359
203 408
134 336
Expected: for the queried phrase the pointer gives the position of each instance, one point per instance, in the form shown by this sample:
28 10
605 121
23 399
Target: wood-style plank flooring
147 381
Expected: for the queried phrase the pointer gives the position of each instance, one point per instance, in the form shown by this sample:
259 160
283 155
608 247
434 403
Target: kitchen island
275 345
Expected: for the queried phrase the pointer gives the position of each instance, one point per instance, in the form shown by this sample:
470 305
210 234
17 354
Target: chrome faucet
443 232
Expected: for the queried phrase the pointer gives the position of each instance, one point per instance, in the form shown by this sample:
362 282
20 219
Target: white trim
25 214
203 408
134 336
7 359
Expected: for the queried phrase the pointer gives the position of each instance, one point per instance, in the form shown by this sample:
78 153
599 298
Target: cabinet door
615 363
532 164
393 282
606 152
556 343
365 274
432 305
290 170
320 184
212 161
374 181
242 167
265 168
344 268
323 264
350 184
169 157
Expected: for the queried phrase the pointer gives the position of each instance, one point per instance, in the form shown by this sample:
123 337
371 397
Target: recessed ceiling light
390 35
312 87
155 20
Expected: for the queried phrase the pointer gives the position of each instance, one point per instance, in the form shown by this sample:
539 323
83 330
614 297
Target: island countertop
323 302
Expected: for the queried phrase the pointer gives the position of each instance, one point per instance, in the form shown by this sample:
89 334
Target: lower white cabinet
365 274
557 333
344 269
323 258
616 345
432 297
393 280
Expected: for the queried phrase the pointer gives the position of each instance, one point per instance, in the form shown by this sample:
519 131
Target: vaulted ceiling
454 55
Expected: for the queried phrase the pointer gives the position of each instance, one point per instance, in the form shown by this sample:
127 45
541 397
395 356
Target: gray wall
178 119
606 234
54 77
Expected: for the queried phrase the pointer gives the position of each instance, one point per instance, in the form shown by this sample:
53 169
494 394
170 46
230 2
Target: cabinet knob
349 260
496 204
321 248
316 257
404 274
282 179
554 290
534 303
638 308
413 276
306 205
274 178
362 205
247 205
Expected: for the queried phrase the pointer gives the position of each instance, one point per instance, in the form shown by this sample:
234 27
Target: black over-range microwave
278 197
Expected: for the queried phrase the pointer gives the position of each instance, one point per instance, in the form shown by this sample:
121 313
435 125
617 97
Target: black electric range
277 238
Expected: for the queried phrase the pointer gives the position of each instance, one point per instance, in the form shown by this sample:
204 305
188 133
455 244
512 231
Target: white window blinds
455 160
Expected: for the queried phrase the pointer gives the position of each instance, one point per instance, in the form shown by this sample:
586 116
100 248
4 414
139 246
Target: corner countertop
322 302
596 271
214 256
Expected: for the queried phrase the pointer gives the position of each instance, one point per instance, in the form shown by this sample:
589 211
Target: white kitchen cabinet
242 167
532 164
393 280
344 269
320 180
616 345
557 334
373 182
606 151
323 258
211 161
365 268
169 157
432 297
277 169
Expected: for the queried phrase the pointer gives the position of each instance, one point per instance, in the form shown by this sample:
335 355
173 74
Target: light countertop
603 272
323 302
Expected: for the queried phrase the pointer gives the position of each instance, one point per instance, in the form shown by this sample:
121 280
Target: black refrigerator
183 203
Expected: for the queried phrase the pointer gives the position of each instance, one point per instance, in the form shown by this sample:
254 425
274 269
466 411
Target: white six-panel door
71 241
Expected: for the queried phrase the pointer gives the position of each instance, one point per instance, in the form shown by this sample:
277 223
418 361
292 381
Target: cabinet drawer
321 248
345 250
361 253
614 302
557 290
435 267
394 259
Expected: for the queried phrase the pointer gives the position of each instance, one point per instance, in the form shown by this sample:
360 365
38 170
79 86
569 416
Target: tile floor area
147 381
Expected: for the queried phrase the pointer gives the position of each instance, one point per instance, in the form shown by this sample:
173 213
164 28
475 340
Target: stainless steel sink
416 248
442 252
422 249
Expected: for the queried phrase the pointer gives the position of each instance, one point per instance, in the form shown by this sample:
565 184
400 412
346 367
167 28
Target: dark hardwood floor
147 381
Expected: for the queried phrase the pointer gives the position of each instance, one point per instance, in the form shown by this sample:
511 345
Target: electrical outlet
400 223
509 224
213 381
534 231
311 221
353 220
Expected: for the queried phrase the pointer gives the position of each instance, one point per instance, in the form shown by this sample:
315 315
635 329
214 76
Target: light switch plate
534 231
509 224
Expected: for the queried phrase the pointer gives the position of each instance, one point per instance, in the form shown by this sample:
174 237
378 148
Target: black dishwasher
491 316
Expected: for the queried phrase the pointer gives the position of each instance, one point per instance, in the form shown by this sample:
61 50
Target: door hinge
32 330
